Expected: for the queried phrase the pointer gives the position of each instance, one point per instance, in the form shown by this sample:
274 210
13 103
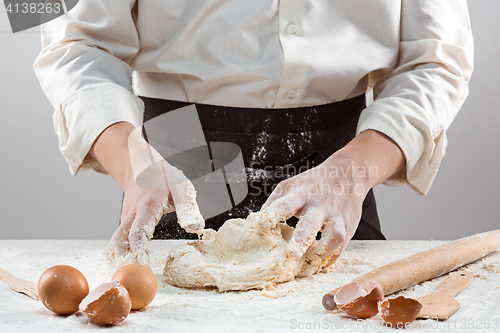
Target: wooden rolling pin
425 265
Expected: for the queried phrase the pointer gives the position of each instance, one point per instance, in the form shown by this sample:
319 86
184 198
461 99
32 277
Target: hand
151 188
143 208
329 197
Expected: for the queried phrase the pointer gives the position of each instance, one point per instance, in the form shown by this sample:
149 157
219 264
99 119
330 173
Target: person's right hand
151 188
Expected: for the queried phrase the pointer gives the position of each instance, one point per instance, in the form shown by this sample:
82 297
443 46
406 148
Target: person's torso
265 53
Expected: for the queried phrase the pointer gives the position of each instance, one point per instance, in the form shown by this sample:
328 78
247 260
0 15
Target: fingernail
333 254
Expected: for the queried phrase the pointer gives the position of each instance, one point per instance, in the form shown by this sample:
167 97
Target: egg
108 304
399 312
61 289
140 283
356 302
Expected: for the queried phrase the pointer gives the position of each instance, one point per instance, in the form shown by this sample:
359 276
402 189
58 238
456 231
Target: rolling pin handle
328 302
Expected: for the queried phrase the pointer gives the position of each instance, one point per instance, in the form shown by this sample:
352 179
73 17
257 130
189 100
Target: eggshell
140 283
358 303
400 311
108 304
61 288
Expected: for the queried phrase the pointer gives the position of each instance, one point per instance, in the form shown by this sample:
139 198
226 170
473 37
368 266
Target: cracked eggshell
356 302
400 311
61 288
108 304
140 283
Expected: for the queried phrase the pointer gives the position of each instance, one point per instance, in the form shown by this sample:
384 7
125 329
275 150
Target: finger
142 229
305 232
140 233
275 195
118 246
282 209
186 207
184 199
279 192
333 236
119 243
350 229
145 221
336 254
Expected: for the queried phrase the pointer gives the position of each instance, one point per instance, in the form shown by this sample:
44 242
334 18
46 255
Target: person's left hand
329 197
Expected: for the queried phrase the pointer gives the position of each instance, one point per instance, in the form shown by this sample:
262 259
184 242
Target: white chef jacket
417 56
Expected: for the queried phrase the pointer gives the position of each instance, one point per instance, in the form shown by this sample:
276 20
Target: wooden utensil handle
426 265
455 283
5 276
441 304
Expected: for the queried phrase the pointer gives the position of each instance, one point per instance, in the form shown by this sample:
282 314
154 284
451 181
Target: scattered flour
275 309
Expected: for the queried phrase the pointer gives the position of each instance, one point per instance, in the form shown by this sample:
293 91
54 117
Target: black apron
285 141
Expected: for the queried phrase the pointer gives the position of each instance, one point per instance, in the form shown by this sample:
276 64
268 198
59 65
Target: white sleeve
85 73
416 102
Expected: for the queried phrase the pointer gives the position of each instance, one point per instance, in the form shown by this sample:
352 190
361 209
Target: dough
240 256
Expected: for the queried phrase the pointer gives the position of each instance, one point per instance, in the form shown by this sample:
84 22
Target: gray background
39 199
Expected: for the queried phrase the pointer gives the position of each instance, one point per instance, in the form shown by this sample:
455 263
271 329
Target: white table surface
290 307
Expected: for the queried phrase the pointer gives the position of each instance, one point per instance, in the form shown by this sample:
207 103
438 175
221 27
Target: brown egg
140 283
61 289
356 302
399 312
108 304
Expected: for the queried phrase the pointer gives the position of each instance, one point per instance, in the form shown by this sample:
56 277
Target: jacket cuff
420 137
85 114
